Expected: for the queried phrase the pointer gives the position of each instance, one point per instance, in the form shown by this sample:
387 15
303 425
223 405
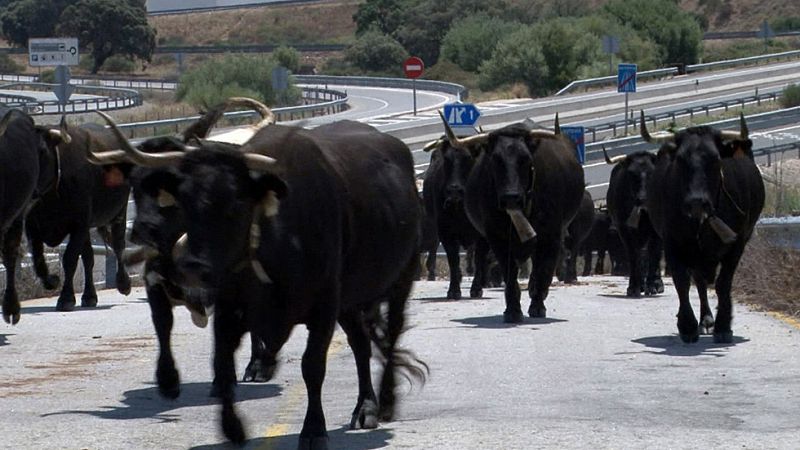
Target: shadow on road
52 309
625 297
671 345
492 322
4 339
341 439
446 300
148 403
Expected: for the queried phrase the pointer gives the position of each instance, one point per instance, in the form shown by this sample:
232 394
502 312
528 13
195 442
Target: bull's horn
139 157
462 143
432 145
613 160
656 138
4 122
543 134
61 133
557 126
259 163
742 134
107 158
267 116
722 229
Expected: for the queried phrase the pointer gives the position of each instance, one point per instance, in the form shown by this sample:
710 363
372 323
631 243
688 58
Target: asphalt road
602 371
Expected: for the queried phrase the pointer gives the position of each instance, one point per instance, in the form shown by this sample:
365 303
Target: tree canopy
104 27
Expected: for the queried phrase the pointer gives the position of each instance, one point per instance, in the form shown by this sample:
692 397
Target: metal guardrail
108 98
403 83
613 79
742 61
321 101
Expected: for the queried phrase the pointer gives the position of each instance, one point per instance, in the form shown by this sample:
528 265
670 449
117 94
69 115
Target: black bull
523 178
85 197
627 195
704 199
343 241
28 169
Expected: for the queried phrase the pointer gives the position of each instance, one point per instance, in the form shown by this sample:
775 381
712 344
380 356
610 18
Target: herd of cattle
323 226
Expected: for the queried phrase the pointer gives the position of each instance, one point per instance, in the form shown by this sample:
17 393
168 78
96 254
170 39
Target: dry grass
767 277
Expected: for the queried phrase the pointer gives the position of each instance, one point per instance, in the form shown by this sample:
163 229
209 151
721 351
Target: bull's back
19 170
383 215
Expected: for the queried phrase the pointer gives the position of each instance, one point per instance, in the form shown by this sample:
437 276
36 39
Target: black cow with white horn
525 188
704 198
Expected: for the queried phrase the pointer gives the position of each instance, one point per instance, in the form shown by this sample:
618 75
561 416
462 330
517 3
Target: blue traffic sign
575 134
461 114
626 78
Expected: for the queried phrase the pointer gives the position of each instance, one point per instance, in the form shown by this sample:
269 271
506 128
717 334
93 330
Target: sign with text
461 114
53 52
575 134
626 78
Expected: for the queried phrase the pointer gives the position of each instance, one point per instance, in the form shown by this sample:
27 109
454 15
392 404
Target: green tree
376 52
287 57
675 31
472 40
24 19
518 57
382 15
109 27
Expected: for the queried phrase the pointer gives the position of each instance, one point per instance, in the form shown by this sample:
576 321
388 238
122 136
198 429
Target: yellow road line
293 400
786 318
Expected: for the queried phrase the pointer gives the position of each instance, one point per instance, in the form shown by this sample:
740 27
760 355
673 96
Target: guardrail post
769 159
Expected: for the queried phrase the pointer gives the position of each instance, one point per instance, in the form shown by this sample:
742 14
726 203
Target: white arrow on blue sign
461 114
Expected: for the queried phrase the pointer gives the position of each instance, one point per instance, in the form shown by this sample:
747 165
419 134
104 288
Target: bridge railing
107 98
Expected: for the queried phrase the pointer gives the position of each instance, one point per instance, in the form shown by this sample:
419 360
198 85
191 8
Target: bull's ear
737 149
667 150
269 189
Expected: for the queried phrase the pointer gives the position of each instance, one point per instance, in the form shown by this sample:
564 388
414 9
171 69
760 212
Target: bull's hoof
123 283
365 416
475 293
431 277
259 371
232 427
724 337
659 286
65 303
51 282
690 338
537 312
88 301
11 310
313 443
634 292
513 317
454 295
168 383
706 325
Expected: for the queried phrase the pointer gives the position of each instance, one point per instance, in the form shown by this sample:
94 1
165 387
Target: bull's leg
687 322
11 241
481 251
228 332
122 279
452 249
49 281
587 262
706 317
430 262
599 268
167 376
544 264
470 260
654 284
722 327
395 358
89 296
69 262
635 280
513 312
263 363
571 275
314 434
365 413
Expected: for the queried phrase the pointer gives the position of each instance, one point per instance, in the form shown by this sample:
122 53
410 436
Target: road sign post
461 114
413 67
576 135
626 82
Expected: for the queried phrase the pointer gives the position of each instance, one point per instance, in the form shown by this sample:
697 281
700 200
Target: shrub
287 57
472 40
234 75
8 65
119 64
790 96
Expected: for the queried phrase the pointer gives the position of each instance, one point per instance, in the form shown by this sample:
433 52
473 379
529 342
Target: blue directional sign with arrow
461 114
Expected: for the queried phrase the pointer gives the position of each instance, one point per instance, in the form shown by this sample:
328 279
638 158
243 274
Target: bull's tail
385 327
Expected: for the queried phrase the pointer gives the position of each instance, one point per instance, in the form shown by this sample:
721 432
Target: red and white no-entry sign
413 67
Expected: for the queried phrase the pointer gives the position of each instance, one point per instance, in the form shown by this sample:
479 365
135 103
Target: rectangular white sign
53 52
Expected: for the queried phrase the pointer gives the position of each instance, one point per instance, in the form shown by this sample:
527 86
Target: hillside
331 21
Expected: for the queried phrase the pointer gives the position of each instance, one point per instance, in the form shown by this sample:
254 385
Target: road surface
602 371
